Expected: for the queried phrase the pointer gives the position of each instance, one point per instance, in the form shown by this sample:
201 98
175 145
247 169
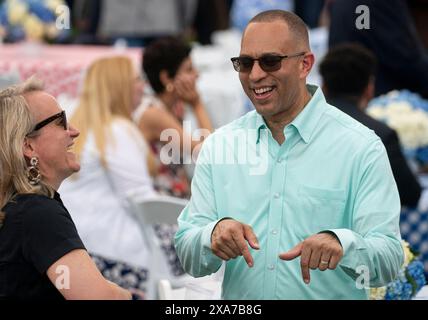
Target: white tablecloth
60 67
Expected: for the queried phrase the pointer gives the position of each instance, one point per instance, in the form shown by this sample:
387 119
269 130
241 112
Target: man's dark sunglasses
60 115
268 62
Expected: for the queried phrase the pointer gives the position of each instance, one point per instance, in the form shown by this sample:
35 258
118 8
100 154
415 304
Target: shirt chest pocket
320 209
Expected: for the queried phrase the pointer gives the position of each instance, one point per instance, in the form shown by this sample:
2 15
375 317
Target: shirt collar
306 120
260 125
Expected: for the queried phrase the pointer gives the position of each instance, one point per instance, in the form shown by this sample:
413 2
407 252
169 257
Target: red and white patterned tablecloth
60 67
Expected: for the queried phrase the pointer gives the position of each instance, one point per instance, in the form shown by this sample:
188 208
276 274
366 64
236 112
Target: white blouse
95 197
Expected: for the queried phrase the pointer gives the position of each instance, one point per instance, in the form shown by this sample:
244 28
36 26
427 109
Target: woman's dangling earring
169 87
33 173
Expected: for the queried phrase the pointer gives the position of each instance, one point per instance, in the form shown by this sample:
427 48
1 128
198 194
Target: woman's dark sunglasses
268 62
60 115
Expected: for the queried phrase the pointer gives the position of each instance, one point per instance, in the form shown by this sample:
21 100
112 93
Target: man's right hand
229 240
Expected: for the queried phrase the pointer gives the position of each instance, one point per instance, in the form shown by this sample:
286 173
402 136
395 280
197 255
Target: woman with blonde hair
41 253
114 159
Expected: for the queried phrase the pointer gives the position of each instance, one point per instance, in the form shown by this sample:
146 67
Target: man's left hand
321 251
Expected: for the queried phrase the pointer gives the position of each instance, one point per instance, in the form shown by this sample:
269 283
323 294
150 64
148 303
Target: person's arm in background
156 120
187 91
407 183
374 243
77 278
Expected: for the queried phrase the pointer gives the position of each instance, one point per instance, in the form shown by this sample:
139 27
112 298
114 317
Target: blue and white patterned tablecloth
414 229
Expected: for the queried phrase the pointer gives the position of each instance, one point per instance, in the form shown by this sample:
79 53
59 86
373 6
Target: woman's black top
36 232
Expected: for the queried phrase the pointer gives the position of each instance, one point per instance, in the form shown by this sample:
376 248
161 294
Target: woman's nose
73 131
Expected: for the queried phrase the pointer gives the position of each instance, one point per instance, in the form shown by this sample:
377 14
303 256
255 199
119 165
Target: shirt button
279 160
274 232
276 195
271 267
204 252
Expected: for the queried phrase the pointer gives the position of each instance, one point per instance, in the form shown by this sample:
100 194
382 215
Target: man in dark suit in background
348 83
387 28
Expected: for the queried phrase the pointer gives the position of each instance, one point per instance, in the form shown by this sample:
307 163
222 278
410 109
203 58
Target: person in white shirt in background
114 158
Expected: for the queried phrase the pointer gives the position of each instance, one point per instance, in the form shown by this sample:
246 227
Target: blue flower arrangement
31 20
409 281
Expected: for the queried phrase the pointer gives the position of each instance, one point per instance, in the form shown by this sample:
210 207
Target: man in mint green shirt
297 197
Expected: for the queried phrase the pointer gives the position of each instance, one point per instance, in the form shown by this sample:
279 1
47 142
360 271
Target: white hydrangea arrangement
407 113
411 124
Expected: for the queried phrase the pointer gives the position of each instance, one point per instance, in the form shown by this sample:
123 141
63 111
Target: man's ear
28 148
368 94
370 90
307 64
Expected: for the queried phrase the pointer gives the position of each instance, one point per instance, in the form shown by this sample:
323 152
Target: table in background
60 67
414 229
422 294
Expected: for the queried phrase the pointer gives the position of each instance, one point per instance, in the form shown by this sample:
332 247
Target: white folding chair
165 210
166 292
196 289
155 210
149 212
